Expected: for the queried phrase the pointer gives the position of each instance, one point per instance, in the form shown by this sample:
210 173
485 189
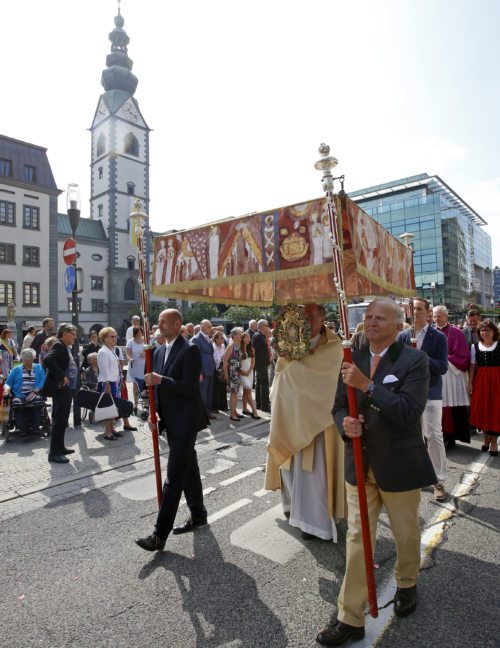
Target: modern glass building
452 253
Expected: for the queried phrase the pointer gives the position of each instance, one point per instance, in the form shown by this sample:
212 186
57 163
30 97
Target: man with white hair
252 328
203 341
260 343
136 323
455 382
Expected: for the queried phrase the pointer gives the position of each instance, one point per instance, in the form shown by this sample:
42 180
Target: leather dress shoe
339 633
405 601
67 451
151 543
58 459
189 525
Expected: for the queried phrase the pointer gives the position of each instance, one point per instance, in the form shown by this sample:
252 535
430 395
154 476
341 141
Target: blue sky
239 95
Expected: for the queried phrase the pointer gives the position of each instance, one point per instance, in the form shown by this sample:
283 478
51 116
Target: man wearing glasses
60 384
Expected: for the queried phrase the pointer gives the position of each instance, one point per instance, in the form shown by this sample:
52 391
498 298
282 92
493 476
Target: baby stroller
16 405
142 399
89 383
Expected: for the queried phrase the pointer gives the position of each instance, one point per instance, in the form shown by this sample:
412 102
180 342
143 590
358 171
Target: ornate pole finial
406 237
119 2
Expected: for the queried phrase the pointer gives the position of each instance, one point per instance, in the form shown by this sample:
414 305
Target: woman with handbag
110 373
220 386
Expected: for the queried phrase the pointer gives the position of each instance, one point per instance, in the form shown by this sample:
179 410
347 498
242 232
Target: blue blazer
436 347
178 396
207 353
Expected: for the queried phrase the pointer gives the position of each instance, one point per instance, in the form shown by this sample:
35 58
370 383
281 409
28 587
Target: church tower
119 173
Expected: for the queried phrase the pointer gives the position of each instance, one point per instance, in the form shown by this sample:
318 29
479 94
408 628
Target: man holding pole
392 383
176 376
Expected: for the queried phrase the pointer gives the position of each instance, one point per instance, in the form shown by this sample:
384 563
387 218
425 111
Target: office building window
31 294
31 217
31 255
98 305
7 213
7 292
5 167
97 283
7 253
70 305
29 173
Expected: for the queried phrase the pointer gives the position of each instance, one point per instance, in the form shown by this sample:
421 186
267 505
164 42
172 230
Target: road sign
69 251
69 279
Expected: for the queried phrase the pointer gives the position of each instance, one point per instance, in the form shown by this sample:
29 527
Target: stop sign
69 251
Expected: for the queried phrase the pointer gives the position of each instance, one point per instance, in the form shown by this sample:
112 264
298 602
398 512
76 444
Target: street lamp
433 288
73 204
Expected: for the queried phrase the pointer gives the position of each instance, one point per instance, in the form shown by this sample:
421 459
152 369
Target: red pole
148 349
335 220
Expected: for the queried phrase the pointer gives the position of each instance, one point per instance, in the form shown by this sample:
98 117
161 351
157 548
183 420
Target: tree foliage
241 314
199 311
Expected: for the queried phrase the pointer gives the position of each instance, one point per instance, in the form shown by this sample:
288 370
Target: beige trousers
402 509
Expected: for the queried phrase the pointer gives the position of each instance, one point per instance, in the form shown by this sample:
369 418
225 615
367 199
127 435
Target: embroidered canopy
281 256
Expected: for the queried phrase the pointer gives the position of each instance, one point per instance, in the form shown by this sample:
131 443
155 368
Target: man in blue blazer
203 341
392 383
176 376
432 342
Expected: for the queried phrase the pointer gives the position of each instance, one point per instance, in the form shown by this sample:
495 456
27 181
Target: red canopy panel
281 256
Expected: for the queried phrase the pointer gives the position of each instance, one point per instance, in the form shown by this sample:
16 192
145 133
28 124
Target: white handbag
105 413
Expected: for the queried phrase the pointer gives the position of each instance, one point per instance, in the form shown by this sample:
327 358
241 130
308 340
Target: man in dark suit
432 342
176 375
60 383
41 336
203 341
260 343
392 384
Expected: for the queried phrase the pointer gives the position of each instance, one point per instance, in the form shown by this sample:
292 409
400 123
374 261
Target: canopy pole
138 216
334 204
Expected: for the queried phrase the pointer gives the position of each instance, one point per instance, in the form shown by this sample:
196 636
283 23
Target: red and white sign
69 251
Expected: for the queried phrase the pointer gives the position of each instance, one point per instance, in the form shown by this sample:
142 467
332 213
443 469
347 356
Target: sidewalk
27 478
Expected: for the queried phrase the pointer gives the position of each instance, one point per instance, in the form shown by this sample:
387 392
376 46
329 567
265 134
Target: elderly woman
8 352
25 383
231 363
110 374
91 373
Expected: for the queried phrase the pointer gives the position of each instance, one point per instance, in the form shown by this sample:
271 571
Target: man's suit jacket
178 396
392 434
436 347
207 353
261 349
56 362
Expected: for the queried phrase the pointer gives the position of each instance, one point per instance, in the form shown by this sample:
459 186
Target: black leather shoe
189 525
339 633
151 543
58 459
67 451
405 601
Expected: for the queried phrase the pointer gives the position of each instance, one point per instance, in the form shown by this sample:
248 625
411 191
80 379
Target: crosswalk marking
239 476
229 509
261 493
269 535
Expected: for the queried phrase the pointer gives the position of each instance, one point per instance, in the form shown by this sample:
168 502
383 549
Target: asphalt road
71 574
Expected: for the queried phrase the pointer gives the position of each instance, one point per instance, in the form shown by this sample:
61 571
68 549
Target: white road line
229 509
431 538
242 475
261 493
207 491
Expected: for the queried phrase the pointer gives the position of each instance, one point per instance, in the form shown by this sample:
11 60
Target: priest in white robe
305 452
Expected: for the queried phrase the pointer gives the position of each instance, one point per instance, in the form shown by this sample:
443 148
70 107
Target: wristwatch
369 389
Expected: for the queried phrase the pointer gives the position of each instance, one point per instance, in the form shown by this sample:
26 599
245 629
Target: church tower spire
118 75
119 171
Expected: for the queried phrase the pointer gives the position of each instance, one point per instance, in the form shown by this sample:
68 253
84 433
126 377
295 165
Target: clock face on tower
129 111
101 113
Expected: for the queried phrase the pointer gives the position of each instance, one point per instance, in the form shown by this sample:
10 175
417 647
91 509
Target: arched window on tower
131 262
101 145
130 188
99 211
129 290
131 144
